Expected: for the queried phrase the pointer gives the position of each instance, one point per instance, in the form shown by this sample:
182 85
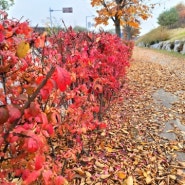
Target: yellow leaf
22 49
145 174
133 24
175 147
121 175
108 149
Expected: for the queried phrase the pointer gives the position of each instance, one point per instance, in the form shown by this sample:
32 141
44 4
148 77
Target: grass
177 34
156 35
162 34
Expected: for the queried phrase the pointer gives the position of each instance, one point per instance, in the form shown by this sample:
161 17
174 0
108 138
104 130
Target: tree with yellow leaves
122 12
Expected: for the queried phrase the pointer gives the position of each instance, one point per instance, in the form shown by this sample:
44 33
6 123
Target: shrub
53 94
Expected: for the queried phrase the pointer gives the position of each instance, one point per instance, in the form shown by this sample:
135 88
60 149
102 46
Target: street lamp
86 20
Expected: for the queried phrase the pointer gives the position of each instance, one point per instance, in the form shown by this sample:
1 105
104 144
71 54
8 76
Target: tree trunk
128 30
117 27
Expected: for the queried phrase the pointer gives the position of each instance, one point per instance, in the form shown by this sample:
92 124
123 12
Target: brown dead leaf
100 165
17 181
105 176
88 174
182 164
162 183
79 171
103 133
173 177
124 131
129 180
148 179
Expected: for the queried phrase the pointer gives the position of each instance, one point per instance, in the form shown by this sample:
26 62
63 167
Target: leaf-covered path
145 142
152 119
167 89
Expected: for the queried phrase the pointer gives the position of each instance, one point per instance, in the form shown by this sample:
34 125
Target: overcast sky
37 12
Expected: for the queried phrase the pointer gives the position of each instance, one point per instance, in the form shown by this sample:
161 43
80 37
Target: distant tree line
5 4
174 17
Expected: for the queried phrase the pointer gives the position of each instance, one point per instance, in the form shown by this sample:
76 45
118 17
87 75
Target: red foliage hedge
53 90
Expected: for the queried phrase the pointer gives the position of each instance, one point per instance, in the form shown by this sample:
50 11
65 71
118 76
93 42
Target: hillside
162 34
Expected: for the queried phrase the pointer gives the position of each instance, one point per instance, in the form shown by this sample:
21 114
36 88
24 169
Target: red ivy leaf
31 177
40 41
60 180
32 145
14 113
62 78
1 36
102 125
46 176
46 90
1 141
40 159
96 109
32 111
4 115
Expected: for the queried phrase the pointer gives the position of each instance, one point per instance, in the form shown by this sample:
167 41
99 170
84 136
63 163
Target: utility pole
64 10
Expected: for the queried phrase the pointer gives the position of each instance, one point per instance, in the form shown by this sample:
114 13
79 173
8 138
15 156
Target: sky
38 13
